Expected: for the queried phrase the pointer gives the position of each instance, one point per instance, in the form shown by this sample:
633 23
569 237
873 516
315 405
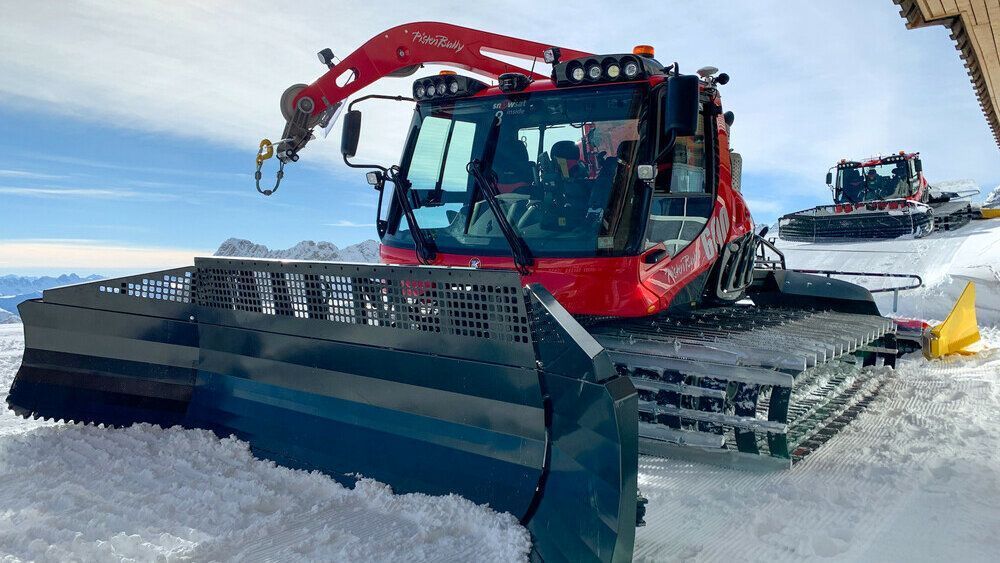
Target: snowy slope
72 492
993 198
366 251
963 187
946 261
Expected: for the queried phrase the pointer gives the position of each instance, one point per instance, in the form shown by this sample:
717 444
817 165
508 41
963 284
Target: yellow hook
265 151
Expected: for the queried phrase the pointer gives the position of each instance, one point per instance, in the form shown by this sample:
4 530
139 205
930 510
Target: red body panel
585 286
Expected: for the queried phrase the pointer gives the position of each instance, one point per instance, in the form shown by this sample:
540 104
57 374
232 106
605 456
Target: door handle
654 256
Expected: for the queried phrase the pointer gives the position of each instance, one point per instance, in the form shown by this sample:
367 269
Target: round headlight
594 71
453 87
577 74
420 91
429 89
631 69
613 71
441 88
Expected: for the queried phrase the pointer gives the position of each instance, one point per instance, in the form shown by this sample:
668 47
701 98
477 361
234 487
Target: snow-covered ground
915 478
83 493
945 260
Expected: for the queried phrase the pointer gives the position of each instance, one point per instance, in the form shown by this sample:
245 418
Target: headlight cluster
607 68
445 85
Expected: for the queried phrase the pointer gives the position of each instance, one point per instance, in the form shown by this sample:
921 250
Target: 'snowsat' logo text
441 41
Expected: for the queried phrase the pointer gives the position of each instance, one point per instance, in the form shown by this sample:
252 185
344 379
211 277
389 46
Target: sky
128 131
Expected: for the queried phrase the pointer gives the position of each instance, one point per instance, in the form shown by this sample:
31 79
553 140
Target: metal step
727 384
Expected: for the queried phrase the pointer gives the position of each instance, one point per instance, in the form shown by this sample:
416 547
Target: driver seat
566 156
512 166
852 185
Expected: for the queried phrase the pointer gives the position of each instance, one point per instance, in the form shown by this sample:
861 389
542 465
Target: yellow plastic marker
990 212
958 331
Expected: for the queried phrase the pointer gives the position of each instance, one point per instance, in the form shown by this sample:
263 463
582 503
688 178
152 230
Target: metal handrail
919 282
763 261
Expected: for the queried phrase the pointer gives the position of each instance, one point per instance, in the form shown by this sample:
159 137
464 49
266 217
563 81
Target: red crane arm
399 51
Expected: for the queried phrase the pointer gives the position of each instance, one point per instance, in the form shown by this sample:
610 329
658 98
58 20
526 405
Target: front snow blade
870 221
433 380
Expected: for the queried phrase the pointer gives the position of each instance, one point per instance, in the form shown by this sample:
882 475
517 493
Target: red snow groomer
880 198
567 263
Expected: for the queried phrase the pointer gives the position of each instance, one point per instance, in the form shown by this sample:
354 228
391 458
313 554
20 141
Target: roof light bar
604 68
445 86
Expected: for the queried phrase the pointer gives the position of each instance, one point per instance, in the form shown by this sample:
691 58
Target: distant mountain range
15 289
366 252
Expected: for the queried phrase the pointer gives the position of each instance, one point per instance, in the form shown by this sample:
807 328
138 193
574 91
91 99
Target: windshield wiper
425 248
477 169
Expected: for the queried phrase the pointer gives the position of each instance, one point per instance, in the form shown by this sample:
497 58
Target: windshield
868 183
561 165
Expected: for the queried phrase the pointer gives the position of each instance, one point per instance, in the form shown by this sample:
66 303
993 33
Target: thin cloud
70 254
348 224
766 207
104 165
85 193
24 174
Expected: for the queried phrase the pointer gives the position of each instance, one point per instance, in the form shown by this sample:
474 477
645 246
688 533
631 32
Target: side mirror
918 166
829 178
680 117
351 134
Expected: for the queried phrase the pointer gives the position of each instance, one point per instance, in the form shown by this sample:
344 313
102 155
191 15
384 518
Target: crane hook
264 152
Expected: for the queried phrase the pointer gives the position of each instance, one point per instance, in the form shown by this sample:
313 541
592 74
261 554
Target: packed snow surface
916 477
84 493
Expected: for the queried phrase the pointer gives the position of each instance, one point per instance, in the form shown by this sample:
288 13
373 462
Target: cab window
438 171
682 200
